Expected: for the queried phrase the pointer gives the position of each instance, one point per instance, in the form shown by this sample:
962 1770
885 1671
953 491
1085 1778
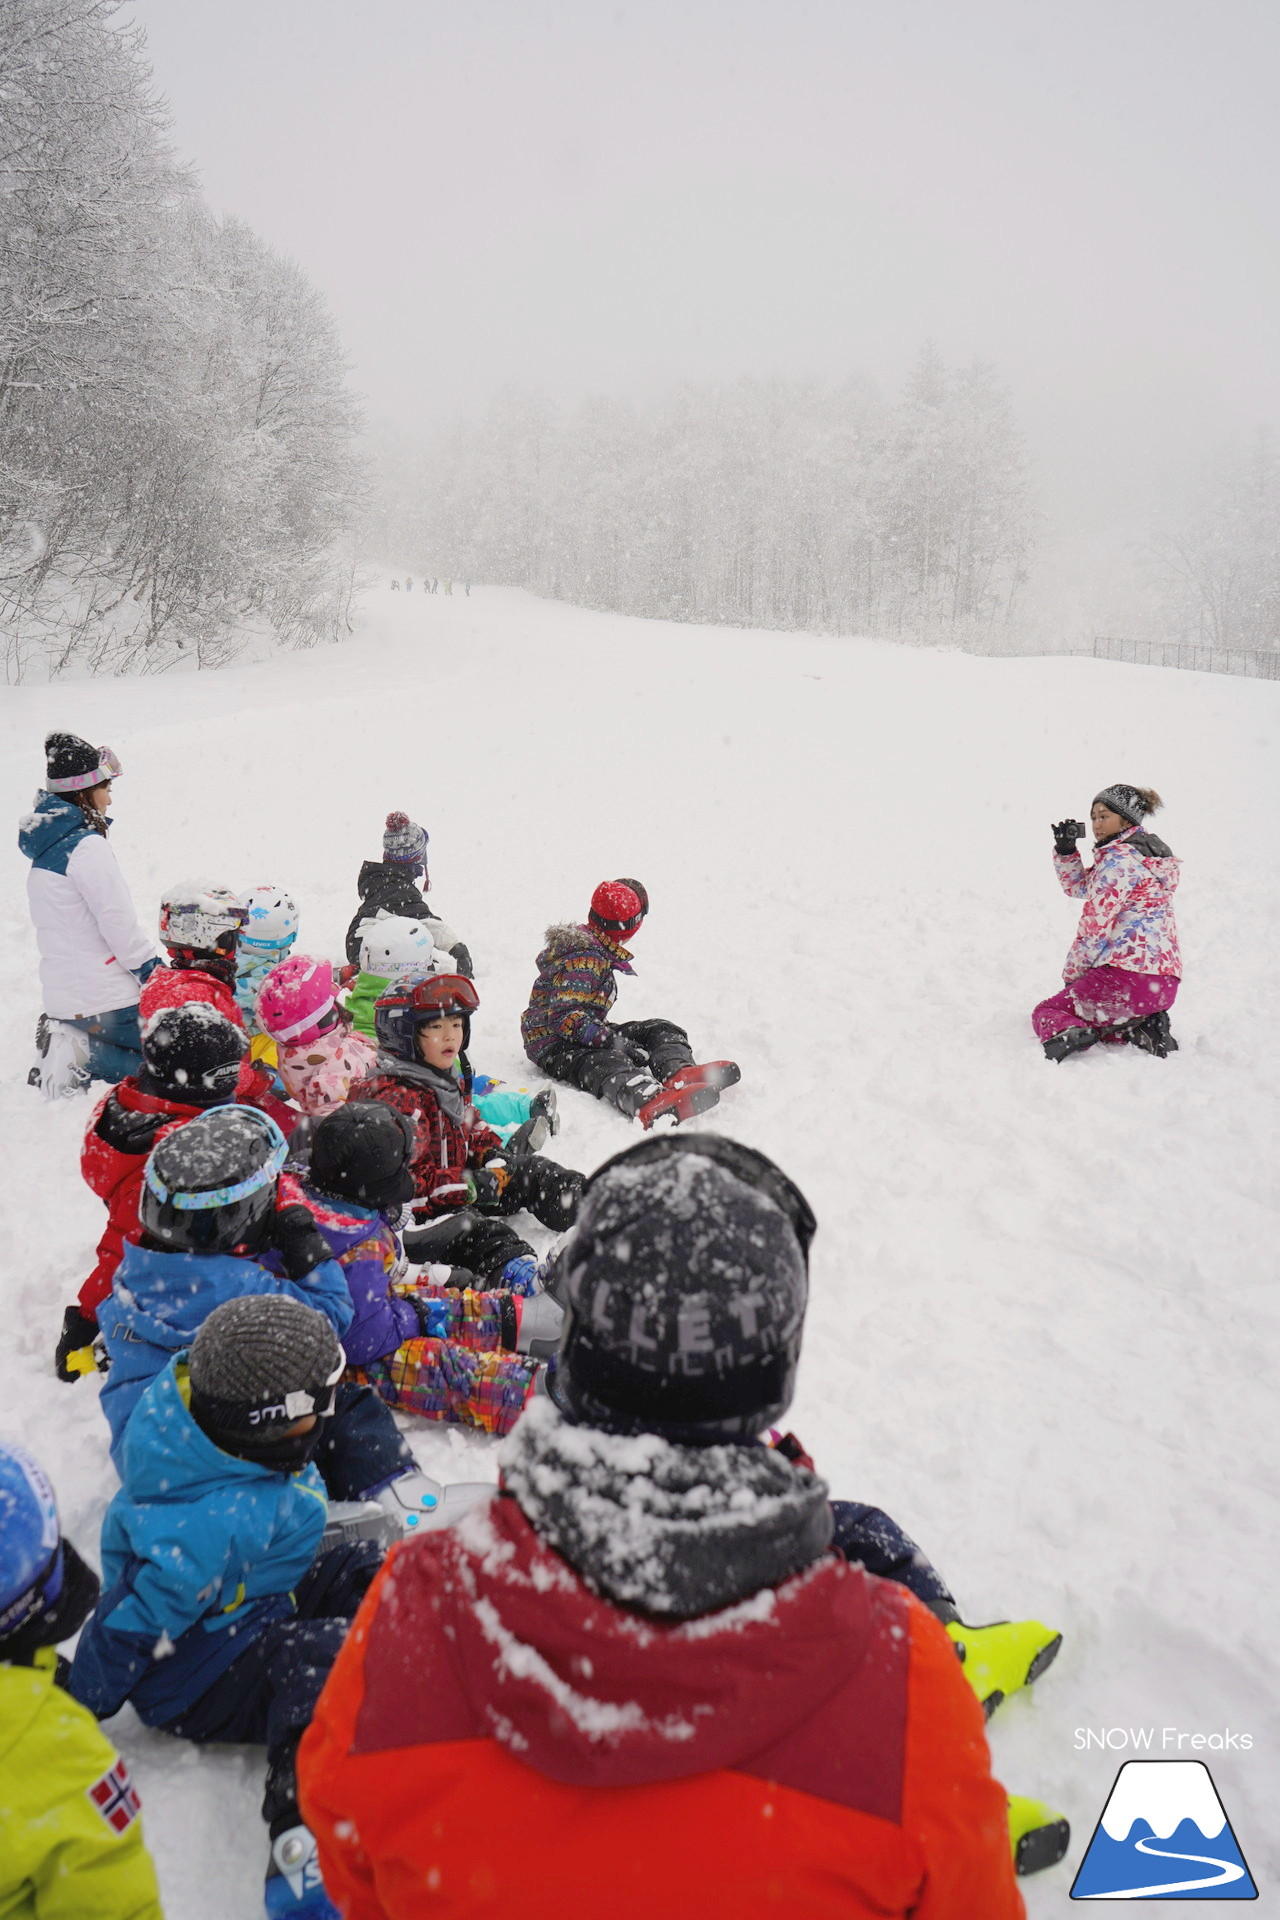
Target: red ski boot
690 1091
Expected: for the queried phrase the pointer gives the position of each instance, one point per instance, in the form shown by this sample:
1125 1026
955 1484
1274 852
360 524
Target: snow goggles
438 993
262 1176
108 768
231 1416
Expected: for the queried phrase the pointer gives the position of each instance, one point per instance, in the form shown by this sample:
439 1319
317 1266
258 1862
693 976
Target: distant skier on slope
1123 969
644 1068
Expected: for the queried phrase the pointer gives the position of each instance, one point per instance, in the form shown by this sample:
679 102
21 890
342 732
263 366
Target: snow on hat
686 1281
404 841
617 909
1131 803
259 1361
71 764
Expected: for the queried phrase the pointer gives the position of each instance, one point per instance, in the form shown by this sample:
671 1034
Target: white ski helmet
198 917
388 944
272 919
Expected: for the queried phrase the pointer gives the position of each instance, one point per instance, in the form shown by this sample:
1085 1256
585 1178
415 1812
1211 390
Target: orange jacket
496 1738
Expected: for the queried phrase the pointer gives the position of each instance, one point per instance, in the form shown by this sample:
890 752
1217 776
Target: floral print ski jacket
1127 920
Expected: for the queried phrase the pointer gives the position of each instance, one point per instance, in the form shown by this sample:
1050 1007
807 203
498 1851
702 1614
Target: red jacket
445 1149
812 1753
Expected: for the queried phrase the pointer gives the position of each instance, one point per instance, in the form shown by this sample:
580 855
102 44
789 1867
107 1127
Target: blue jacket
51 832
200 1552
159 1301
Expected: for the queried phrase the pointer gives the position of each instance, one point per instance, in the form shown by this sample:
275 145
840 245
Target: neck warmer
668 1530
446 1087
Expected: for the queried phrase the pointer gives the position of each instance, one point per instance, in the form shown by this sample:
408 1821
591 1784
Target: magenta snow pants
1104 997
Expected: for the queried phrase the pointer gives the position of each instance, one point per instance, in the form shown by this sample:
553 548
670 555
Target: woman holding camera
1123 970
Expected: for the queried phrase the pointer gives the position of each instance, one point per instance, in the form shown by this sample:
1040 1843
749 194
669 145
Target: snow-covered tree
175 432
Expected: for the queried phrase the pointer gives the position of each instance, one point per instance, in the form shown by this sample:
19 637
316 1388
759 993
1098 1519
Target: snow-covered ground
1042 1331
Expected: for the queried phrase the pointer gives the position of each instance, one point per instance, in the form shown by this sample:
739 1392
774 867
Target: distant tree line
1217 562
771 503
175 430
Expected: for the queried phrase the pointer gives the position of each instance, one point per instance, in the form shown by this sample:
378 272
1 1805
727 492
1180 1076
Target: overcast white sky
588 196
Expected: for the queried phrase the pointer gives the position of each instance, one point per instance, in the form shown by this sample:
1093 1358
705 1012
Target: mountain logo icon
1164 1835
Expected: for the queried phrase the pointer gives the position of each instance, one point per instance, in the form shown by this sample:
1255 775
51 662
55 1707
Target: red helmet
617 909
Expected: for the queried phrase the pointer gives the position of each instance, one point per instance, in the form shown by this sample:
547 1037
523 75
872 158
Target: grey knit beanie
404 841
1131 803
261 1361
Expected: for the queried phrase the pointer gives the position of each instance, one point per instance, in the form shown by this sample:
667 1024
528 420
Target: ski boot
294 1889
539 1322
1000 1658
419 1504
529 1137
1039 1836
63 1067
1152 1035
690 1091
1073 1040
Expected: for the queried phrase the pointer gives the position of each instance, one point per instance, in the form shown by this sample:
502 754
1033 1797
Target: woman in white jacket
93 954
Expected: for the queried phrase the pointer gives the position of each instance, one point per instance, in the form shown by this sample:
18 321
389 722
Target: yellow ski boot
1039 1836
1000 1658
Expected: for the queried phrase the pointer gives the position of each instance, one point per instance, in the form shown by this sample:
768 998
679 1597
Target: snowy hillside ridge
1164 1793
1042 1296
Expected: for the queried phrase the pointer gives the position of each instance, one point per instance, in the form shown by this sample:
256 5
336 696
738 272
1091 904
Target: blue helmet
31 1566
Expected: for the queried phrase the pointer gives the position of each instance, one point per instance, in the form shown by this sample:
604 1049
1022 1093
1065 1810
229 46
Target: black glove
78 1331
488 1186
461 959
298 1240
1066 833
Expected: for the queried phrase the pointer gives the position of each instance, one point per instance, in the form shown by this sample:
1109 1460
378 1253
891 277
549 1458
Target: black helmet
193 1053
685 1281
211 1184
361 1152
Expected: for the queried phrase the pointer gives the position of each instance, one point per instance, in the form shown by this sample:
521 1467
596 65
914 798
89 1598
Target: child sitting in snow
648 1568
220 1615
459 1164
266 938
444 1351
317 1054
1123 971
214 1223
387 947
386 886
644 1068
191 1060
70 1834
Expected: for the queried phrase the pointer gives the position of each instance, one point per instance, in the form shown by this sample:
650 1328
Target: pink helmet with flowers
296 1002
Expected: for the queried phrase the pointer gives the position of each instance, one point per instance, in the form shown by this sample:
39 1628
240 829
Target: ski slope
1043 1315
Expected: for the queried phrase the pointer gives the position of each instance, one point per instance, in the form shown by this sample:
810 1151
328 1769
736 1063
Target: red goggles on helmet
442 993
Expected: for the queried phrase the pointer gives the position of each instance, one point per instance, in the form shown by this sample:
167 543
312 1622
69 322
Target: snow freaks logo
1164 1835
